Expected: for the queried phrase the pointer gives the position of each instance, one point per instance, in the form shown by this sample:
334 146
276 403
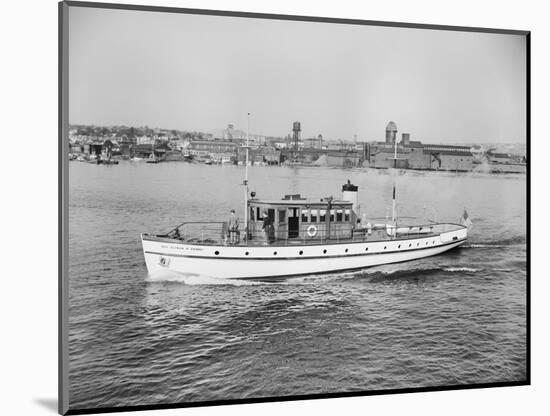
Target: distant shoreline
521 169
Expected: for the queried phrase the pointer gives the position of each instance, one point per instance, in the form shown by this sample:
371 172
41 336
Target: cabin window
346 215
322 215
331 215
313 215
282 216
339 215
305 215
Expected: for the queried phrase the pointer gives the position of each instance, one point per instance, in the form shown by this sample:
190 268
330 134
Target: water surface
457 318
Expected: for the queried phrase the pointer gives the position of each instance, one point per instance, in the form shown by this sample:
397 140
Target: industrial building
343 158
215 149
445 157
417 155
260 154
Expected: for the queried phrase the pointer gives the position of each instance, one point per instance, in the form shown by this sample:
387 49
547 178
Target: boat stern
454 232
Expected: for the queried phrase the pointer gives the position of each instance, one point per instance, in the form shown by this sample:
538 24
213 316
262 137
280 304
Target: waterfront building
217 150
311 143
307 155
344 158
498 157
173 155
145 150
478 152
268 154
382 156
212 146
144 139
413 154
449 157
416 159
260 154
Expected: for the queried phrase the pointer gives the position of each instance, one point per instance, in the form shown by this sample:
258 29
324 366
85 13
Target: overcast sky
193 72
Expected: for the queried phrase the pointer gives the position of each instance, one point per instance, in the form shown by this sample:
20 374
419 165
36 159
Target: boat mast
245 182
393 215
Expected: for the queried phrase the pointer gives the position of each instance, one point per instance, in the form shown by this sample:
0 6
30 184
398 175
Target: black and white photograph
277 207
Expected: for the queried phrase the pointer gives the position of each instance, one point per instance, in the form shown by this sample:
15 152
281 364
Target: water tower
296 133
391 133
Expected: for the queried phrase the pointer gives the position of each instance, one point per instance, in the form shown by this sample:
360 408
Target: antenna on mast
393 214
245 181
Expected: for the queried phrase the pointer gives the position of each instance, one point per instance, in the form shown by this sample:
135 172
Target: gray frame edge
301 18
63 205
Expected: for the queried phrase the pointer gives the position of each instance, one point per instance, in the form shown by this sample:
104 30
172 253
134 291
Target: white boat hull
260 262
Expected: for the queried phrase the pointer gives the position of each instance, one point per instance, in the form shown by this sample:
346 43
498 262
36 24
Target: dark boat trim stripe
213 256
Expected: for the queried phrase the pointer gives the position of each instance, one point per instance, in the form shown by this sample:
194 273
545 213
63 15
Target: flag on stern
465 219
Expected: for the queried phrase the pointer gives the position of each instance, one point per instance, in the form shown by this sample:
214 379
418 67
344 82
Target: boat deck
212 236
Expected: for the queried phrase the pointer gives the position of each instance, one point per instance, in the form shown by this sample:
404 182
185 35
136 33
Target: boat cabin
299 219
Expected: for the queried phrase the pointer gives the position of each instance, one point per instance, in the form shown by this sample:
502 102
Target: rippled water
457 318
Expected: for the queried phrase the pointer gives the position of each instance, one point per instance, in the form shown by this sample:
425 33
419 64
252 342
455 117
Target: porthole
399 246
301 252
324 251
417 244
246 254
433 242
426 243
274 253
410 245
366 249
346 250
216 253
385 247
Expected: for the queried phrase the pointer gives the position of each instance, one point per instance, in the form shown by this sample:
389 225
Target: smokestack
349 193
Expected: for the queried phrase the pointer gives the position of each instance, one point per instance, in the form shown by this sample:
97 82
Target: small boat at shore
153 159
102 161
298 236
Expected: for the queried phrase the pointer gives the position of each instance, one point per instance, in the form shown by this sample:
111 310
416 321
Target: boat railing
217 232
204 232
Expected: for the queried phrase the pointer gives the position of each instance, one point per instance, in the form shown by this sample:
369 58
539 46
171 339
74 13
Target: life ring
312 230
164 261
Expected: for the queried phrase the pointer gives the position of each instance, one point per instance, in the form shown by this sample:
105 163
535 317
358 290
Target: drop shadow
49 404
